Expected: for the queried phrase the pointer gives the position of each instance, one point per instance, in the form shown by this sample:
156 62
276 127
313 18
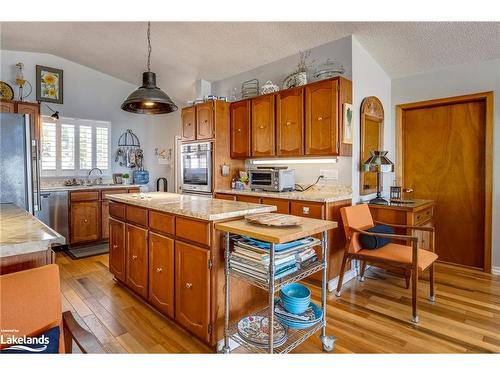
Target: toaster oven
271 179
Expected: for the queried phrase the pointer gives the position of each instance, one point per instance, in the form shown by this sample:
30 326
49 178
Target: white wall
369 79
276 71
89 94
454 81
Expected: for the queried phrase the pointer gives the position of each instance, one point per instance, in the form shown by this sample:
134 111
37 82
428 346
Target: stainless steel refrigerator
19 162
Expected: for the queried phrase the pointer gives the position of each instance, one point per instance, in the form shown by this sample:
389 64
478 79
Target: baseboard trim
348 276
495 270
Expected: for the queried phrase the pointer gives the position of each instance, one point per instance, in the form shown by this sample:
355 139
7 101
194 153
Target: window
70 147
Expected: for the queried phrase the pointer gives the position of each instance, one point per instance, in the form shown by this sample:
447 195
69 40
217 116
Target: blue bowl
296 292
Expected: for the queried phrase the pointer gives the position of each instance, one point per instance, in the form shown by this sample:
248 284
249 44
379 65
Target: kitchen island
165 249
25 242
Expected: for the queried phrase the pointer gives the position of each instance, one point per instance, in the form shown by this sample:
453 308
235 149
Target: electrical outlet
329 174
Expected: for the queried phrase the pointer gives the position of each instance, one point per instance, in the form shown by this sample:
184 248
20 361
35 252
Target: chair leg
414 289
341 276
362 271
432 296
407 279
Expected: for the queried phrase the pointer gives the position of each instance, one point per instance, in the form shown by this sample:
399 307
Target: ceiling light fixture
149 99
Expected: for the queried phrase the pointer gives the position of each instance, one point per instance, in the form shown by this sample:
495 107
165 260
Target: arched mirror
372 139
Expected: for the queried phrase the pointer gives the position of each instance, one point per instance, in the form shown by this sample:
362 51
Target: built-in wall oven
196 168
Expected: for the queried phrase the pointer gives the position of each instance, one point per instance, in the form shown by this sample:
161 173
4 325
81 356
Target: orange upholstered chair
30 303
356 220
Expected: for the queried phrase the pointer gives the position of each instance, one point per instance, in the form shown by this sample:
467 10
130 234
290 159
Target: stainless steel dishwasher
54 212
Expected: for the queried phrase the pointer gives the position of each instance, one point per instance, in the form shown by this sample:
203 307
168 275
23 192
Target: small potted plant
125 179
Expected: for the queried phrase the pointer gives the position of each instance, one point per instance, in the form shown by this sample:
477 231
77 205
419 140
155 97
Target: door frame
488 98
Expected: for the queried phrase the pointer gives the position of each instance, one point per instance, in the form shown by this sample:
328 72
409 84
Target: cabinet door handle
159 269
239 130
288 123
320 118
261 127
134 257
189 285
115 246
85 221
305 210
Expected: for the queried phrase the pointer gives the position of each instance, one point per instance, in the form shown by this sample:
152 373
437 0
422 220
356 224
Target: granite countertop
84 187
202 208
22 233
312 195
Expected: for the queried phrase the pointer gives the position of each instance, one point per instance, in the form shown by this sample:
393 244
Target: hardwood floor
369 317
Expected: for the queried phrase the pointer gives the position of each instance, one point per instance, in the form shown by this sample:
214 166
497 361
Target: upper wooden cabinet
192 288
263 126
33 110
322 109
188 124
205 120
7 107
290 122
240 130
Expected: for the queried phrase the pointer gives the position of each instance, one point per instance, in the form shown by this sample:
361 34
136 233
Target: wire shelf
294 339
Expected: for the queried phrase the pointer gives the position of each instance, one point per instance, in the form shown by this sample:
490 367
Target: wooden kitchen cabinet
227 197
188 116
33 110
192 289
290 122
247 198
137 259
262 124
282 205
104 220
85 217
7 107
205 121
308 209
117 251
322 111
240 130
161 273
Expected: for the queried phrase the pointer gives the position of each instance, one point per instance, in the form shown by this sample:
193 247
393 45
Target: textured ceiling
186 51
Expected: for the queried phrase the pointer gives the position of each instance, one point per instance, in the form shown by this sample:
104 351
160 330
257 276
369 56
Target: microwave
271 179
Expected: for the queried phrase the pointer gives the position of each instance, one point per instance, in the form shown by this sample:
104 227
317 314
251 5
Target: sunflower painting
49 84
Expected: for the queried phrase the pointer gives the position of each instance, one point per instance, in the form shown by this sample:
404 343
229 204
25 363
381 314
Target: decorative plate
255 329
6 91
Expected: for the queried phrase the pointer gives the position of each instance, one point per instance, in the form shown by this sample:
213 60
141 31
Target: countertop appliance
159 182
19 162
196 168
272 179
54 211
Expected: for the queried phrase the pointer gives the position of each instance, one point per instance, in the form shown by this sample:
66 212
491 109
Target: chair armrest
416 227
386 235
83 338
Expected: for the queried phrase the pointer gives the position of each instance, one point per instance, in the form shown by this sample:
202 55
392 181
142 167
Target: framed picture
49 84
347 133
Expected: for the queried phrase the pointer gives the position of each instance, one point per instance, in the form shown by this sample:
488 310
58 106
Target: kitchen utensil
165 184
295 298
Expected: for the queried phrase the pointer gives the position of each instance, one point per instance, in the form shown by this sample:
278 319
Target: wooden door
240 130
205 120
321 130
192 288
33 110
263 126
104 220
161 273
117 249
290 122
442 146
85 221
137 259
7 107
188 130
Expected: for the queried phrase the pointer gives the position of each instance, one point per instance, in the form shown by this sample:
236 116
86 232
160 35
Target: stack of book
252 257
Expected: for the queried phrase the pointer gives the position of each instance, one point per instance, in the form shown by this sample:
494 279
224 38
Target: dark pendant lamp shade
149 99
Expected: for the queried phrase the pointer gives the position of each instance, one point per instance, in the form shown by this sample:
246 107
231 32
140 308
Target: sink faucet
99 179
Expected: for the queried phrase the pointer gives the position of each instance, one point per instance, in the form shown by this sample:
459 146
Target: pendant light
149 99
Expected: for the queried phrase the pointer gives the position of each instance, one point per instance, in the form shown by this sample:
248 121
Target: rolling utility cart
275 236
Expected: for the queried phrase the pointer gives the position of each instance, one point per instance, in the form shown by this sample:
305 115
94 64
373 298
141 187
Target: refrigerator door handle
38 205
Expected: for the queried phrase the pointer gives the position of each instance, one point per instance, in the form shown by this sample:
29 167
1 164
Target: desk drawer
77 196
105 193
282 206
161 222
422 216
193 230
117 210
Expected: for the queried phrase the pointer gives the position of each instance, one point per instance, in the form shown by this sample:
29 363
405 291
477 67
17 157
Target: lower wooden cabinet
85 219
117 256
161 273
283 206
104 220
137 259
192 289
247 198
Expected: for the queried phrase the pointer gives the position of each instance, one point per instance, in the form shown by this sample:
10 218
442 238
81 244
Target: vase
301 78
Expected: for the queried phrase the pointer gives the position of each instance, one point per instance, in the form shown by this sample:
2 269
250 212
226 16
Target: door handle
159 269
134 257
189 285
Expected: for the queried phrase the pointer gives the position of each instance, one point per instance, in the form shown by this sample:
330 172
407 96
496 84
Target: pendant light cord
149 46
